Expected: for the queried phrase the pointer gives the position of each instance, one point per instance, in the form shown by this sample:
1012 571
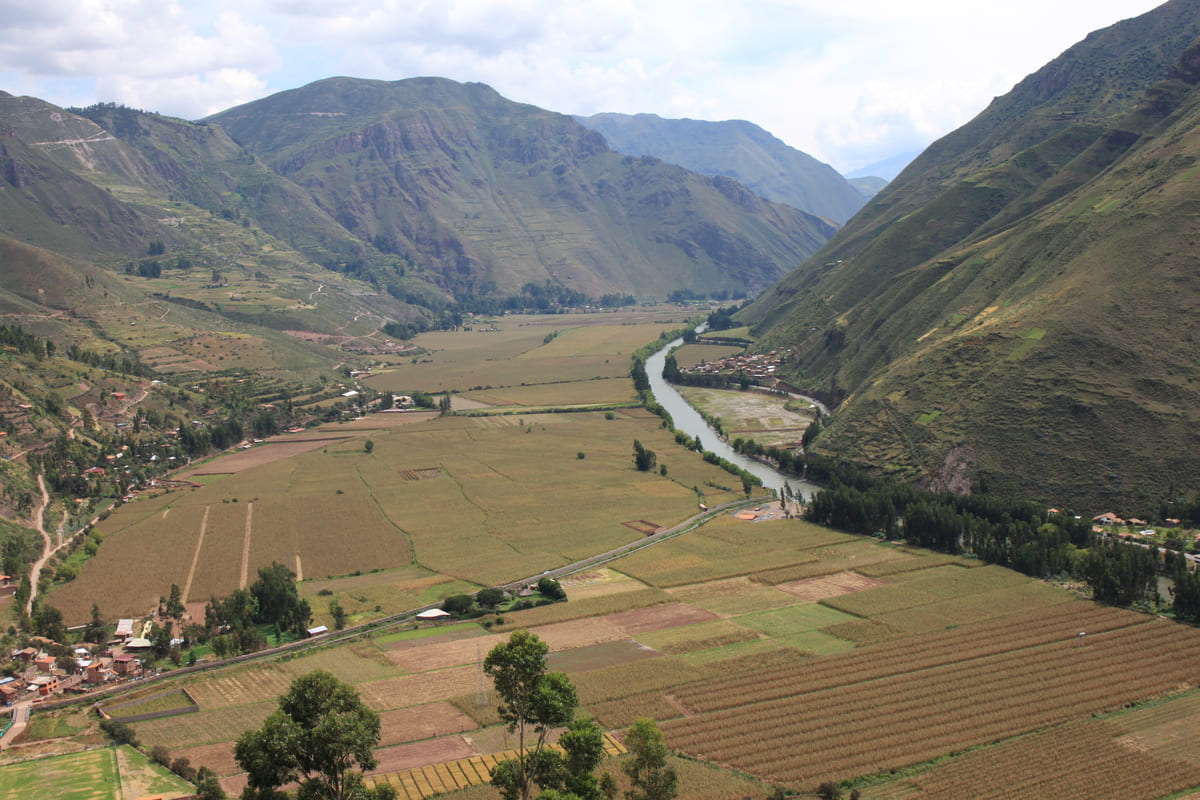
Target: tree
48 622
207 785
119 732
369 446
548 587
278 601
458 604
160 640
319 737
338 613
829 791
533 702
643 459
173 608
583 749
648 771
96 631
489 598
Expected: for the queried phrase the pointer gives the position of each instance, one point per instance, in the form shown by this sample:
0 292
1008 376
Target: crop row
892 658
1074 761
898 720
980 679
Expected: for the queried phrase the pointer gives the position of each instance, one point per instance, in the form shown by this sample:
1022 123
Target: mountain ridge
970 319
737 149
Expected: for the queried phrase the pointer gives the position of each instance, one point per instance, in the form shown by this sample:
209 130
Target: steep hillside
739 150
1016 310
482 195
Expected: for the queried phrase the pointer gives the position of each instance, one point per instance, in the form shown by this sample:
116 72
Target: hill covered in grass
1016 311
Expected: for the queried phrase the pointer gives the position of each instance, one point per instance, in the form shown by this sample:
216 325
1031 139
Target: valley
720 633
374 378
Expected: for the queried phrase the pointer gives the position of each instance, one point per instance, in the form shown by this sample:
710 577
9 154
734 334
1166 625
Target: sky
850 82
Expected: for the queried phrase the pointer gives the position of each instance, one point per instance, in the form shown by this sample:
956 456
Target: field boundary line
187 584
246 546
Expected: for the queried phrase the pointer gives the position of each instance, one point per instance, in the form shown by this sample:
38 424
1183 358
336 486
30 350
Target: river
688 420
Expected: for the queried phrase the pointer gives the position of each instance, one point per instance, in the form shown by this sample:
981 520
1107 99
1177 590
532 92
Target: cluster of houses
761 366
1109 520
35 674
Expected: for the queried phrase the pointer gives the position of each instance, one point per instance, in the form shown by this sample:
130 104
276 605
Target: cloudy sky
849 81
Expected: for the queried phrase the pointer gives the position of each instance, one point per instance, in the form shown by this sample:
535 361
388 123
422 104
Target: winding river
688 420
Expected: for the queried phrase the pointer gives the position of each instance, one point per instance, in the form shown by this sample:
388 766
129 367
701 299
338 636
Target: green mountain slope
484 195
1015 311
739 150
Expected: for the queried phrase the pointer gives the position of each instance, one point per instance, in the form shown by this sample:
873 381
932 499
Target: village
45 668
758 366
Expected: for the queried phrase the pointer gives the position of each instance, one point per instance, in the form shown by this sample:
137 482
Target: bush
551 588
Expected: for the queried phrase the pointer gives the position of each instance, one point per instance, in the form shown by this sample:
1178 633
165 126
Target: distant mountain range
1017 311
885 170
410 200
739 150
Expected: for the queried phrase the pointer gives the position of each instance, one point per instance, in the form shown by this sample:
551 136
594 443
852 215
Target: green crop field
99 774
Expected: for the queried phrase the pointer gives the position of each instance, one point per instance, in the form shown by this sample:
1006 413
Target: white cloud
849 82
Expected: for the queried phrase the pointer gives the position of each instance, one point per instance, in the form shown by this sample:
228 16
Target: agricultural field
746 634
466 502
100 774
770 420
772 652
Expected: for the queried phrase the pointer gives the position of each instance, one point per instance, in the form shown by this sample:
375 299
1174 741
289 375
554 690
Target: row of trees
1013 533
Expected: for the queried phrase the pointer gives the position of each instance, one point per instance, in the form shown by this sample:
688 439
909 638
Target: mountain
1016 311
736 149
867 186
885 170
479 195
319 217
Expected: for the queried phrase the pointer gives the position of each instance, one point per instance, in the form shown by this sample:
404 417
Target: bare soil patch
425 655
217 757
657 618
643 527
839 583
579 633
420 754
413 690
598 656
422 722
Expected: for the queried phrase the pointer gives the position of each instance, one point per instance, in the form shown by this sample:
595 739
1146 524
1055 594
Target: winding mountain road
48 546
